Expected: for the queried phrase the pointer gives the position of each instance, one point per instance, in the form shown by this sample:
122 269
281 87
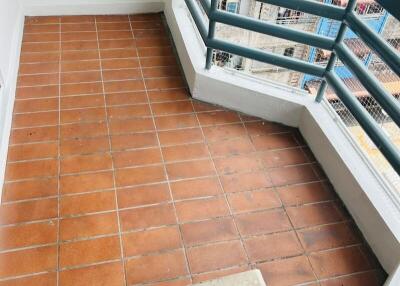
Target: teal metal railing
339 50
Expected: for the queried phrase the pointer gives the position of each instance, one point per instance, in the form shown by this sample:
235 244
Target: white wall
11 27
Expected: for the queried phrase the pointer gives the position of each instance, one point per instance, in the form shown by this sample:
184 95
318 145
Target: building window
365 8
288 16
289 52
231 6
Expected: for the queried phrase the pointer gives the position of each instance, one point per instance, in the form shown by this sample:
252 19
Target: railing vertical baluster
331 64
211 33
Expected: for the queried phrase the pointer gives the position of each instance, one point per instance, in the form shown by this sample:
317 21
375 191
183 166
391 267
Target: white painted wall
11 27
367 200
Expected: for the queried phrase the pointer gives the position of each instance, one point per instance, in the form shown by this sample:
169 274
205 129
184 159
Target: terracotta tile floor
116 177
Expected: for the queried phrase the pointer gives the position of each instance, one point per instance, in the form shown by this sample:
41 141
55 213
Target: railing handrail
339 50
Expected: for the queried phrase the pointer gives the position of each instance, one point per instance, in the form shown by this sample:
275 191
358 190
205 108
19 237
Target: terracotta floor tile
79 55
223 132
121 98
82 101
38 79
137 157
141 218
23 190
198 278
237 146
216 256
86 182
89 251
18 236
167 95
201 209
82 115
329 236
78 27
289 271
144 242
155 51
45 28
176 121
209 231
109 35
85 163
119 44
40 47
182 136
185 152
37 92
241 163
156 61
124 74
194 188
312 215
262 222
110 274
35 119
35 134
48 279
121 112
112 64
162 72
130 141
305 193
293 175
32 151
253 201
177 282
119 126
263 127
78 77
88 226
200 106
118 54
278 158
46 37
190 169
87 203
78 36
172 107
32 105
28 211
80 66
111 18
273 246
78 45
339 262
112 26
81 88
39 57
274 141
164 83
83 130
144 195
38 68
245 182
218 117
154 268
153 42
139 176
362 279
128 85
84 146
28 261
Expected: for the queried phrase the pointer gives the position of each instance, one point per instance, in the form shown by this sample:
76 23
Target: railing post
211 33
332 60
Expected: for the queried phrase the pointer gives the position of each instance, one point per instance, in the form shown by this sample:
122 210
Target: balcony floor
115 176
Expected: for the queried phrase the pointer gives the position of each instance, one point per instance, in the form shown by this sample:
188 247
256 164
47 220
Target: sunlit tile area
115 176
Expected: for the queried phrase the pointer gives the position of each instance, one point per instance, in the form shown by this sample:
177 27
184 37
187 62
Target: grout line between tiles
112 166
